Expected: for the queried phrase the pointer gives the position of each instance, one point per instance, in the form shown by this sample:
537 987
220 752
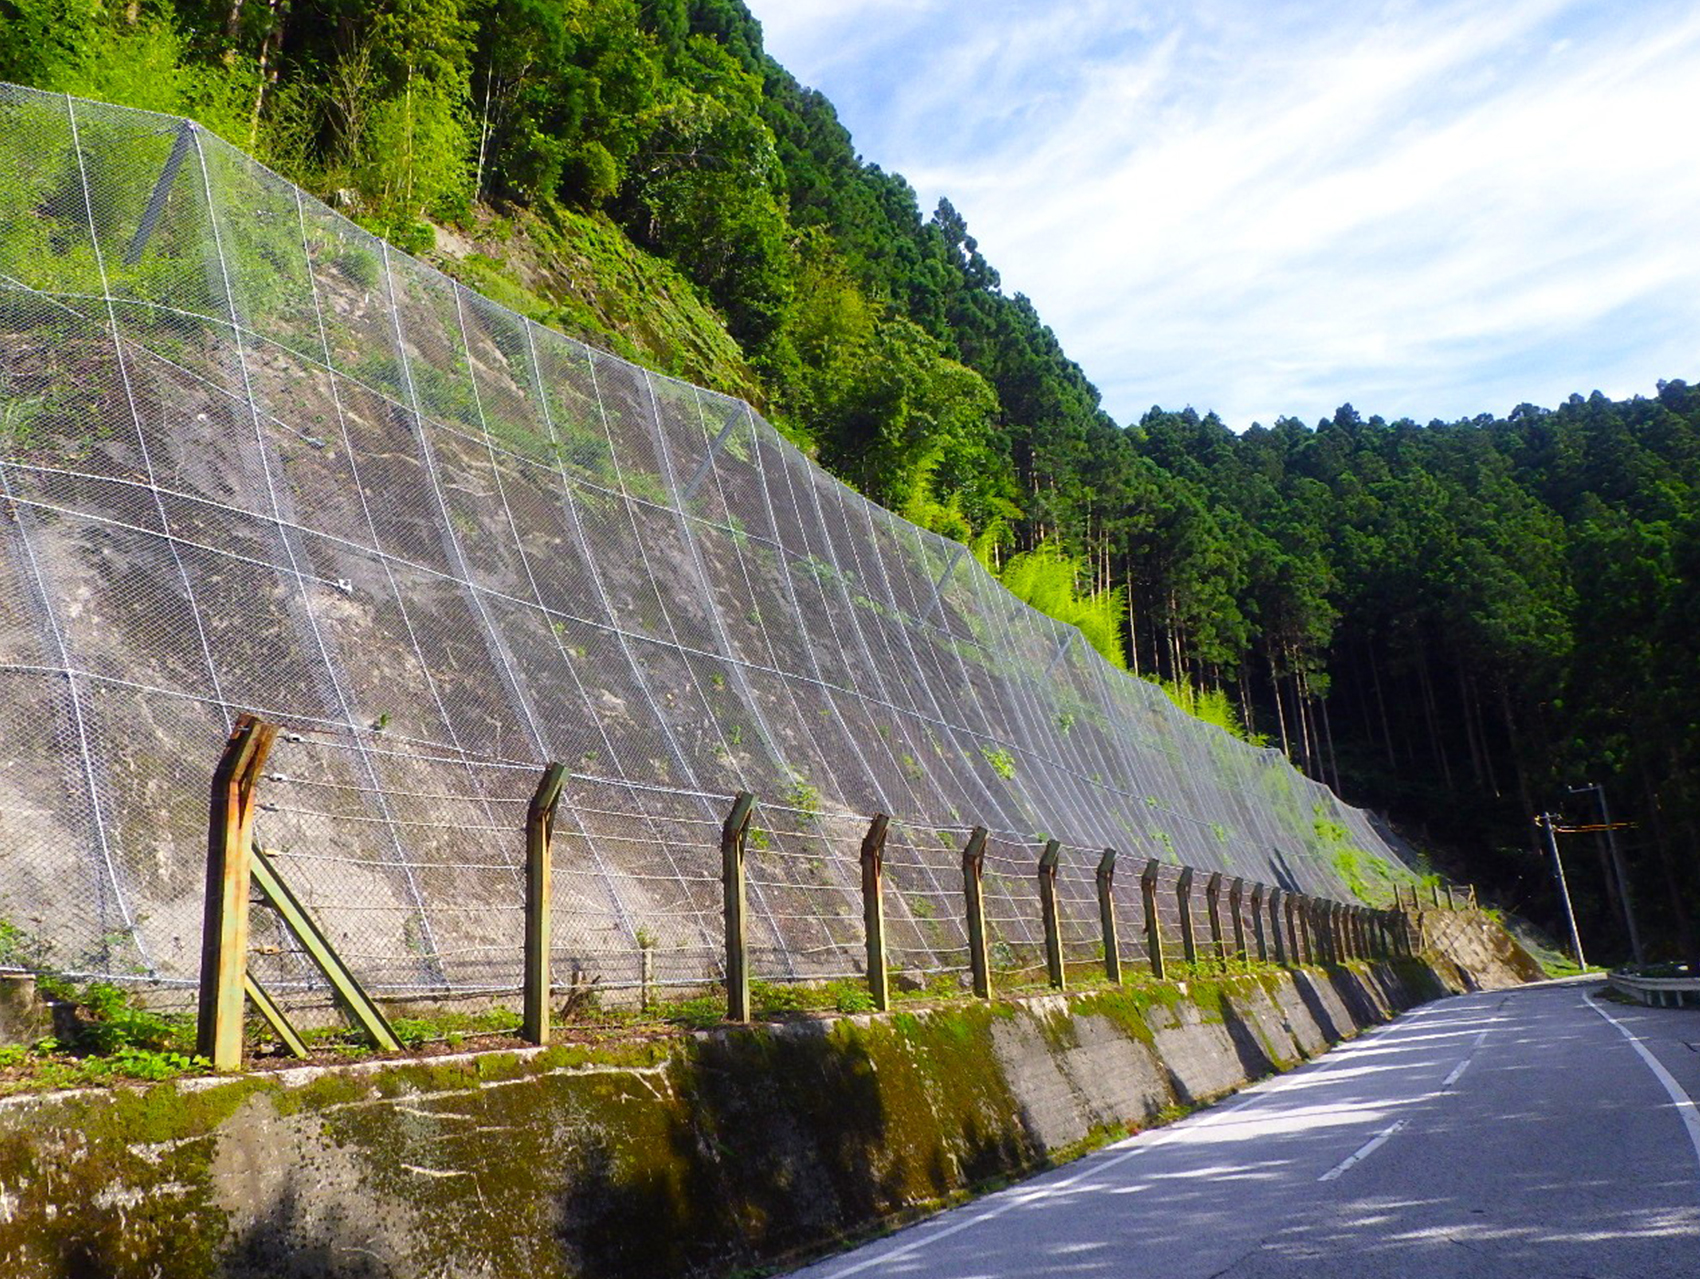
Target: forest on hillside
1453 622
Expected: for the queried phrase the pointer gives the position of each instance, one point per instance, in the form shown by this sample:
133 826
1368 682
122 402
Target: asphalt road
1513 1133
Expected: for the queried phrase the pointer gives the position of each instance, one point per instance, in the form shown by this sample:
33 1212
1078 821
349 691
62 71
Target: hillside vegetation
1450 620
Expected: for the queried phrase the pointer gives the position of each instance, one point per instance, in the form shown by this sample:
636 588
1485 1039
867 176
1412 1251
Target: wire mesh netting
253 459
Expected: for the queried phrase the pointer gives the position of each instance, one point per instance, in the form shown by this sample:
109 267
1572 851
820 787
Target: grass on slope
579 273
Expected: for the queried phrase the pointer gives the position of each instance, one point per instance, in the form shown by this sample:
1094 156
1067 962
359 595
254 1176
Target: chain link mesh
251 458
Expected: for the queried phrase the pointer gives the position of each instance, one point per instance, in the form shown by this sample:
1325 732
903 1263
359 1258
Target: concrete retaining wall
698 1154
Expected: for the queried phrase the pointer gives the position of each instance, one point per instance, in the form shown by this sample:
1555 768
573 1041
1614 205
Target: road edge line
1686 1109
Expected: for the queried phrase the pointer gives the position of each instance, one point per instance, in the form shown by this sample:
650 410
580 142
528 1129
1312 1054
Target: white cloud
1431 210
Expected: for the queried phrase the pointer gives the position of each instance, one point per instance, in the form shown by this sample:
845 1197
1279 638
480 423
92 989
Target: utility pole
1616 866
1548 821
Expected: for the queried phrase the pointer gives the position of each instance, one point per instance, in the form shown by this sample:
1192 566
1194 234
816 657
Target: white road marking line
1364 1151
1120 1152
1129 1147
1464 1065
1374 1143
1138 1144
1686 1110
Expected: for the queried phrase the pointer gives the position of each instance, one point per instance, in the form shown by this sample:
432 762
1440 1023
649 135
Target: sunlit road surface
1514 1133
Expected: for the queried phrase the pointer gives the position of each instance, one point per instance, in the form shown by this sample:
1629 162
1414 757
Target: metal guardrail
1662 992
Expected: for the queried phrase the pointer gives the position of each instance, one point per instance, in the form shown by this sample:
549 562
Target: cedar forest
1451 622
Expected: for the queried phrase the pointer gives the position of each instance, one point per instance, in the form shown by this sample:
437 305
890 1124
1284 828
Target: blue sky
1427 209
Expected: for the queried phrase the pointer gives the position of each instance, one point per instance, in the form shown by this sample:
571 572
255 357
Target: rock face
1472 951
289 470
694 1155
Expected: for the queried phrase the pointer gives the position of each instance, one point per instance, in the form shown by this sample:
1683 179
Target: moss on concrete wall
722 1150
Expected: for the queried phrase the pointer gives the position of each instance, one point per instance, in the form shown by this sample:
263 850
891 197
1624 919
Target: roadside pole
1623 898
1547 821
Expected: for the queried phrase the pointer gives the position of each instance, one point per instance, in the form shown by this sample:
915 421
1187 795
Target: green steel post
873 909
1183 899
974 897
224 927
1153 925
274 1016
1048 909
1257 924
1107 916
1236 907
1213 911
734 834
353 997
539 898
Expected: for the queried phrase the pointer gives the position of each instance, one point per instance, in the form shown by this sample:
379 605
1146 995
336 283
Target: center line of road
1143 1143
1375 1143
1364 1151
